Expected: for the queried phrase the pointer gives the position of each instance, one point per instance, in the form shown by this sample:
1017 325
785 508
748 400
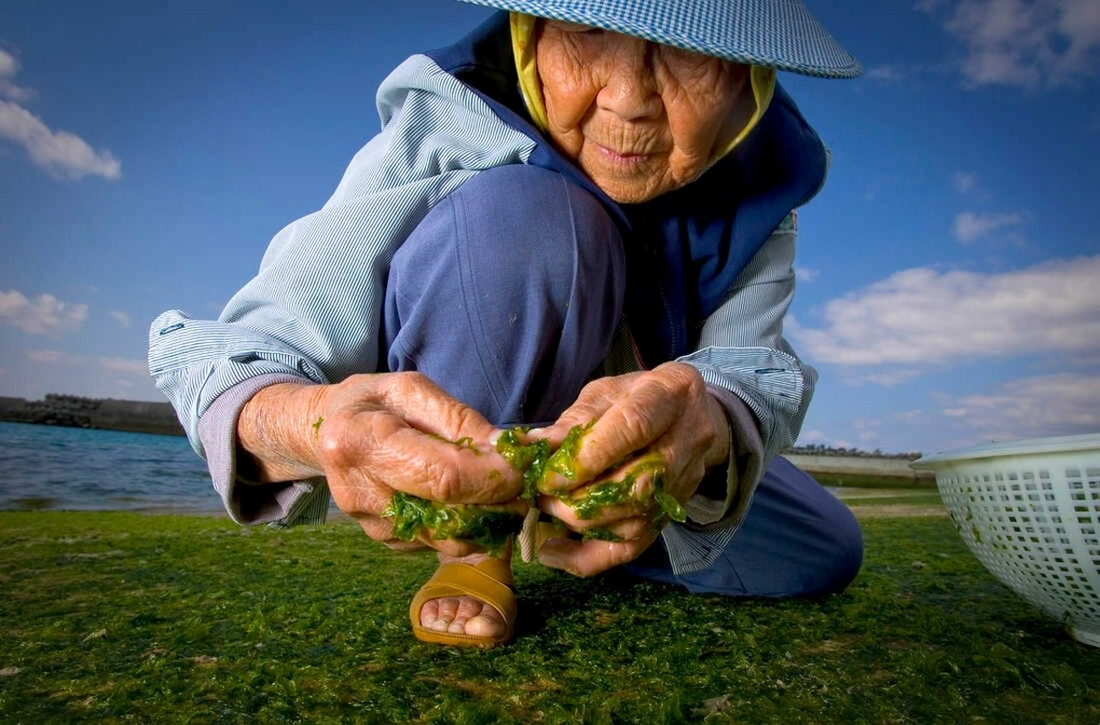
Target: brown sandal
483 581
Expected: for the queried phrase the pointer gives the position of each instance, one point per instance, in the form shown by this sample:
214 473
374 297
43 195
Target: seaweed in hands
613 493
491 528
483 526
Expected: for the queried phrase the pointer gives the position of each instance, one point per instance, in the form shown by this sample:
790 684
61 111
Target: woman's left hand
665 412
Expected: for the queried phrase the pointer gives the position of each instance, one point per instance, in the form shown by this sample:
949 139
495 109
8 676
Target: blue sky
949 273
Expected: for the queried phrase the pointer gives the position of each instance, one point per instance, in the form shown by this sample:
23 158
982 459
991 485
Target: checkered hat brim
772 33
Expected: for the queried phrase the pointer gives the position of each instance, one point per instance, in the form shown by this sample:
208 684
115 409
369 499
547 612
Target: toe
429 613
462 615
485 625
438 614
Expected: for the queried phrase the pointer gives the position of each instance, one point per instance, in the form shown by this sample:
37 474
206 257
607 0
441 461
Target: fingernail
553 547
548 559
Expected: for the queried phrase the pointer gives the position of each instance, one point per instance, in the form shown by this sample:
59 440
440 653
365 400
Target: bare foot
463 614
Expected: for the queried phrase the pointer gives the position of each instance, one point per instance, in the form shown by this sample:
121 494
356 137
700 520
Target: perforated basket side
1034 521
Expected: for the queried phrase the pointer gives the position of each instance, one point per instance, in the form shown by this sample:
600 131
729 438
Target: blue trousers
508 294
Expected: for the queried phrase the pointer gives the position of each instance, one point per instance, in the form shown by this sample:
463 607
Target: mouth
622 158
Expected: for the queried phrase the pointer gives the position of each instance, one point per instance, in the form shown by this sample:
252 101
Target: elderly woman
579 217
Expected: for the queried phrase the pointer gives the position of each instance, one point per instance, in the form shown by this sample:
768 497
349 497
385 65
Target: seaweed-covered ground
112 617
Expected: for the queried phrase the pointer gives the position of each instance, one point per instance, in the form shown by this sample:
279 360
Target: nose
630 87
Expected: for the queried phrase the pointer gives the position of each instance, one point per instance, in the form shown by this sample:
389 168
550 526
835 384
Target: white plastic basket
1030 512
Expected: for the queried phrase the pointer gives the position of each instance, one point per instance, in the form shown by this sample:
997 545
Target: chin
630 194
635 189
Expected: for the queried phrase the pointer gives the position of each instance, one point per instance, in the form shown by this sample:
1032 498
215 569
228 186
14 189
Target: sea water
53 467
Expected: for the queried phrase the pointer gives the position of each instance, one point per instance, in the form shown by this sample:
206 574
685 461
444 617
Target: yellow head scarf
523 48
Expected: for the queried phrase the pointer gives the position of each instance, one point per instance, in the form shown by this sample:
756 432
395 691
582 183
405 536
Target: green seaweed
614 493
528 457
126 617
599 496
537 462
483 526
564 460
668 504
466 443
601 535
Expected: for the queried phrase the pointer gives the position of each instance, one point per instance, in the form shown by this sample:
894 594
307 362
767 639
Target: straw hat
777 34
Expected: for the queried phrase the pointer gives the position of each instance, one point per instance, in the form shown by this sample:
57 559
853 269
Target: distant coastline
159 418
73 411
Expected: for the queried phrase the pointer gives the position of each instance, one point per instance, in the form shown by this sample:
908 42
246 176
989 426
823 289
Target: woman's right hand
371 435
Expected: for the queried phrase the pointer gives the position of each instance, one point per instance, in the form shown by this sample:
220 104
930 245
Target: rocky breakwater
106 414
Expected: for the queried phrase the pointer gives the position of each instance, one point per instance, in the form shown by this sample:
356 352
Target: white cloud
49 357
922 316
1080 24
890 378
125 365
909 416
816 437
9 66
57 358
60 153
1024 43
883 74
806 274
970 226
42 316
1063 404
120 317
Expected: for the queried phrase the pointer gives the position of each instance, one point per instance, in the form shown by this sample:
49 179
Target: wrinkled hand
665 412
374 434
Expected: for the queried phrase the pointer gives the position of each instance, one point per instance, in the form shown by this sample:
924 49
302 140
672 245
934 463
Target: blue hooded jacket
686 247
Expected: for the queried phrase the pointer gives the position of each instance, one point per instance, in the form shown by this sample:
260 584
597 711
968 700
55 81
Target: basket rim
1023 447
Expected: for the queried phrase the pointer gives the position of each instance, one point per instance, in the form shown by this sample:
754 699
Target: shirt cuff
725 499
249 502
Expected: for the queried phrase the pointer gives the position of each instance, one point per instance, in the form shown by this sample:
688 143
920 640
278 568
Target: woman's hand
374 434
663 414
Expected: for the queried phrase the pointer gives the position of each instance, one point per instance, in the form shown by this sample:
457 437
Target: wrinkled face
640 119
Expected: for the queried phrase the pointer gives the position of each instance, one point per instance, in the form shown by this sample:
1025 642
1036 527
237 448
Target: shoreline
135 416
71 411
841 468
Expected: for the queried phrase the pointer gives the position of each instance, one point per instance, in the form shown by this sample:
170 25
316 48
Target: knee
527 269
843 553
523 224
831 549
